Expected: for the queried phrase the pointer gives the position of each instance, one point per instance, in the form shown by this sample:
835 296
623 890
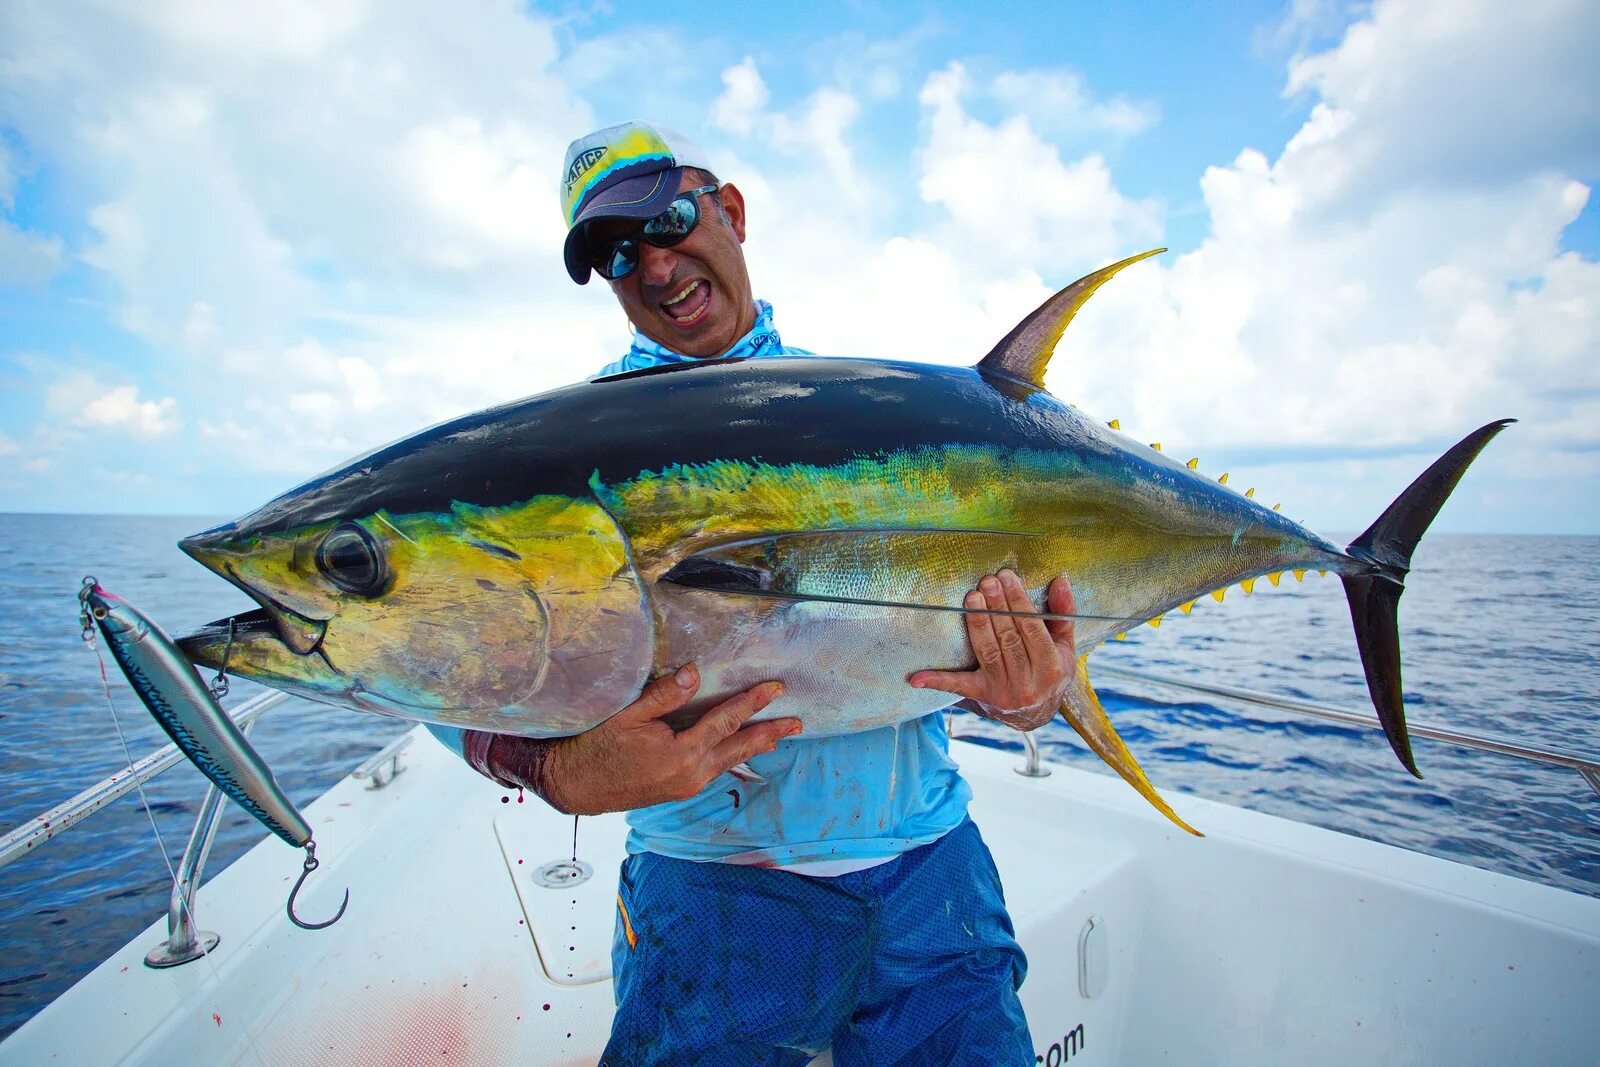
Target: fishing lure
189 713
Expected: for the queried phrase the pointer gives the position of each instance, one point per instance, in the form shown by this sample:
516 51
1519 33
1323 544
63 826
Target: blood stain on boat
547 1007
216 1018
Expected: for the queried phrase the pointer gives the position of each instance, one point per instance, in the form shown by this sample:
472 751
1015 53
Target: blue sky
237 247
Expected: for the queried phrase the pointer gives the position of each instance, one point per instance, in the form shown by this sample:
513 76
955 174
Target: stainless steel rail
24 839
185 941
382 766
1587 766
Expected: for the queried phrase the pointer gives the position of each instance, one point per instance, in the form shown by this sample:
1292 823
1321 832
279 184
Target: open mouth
689 304
208 646
300 634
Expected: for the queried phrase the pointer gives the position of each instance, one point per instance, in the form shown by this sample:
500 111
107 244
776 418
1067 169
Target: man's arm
633 759
1024 665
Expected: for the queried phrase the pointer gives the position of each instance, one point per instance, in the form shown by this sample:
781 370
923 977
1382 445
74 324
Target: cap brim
633 198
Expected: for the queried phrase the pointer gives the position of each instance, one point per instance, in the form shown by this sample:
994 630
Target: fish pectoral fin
1082 710
891 563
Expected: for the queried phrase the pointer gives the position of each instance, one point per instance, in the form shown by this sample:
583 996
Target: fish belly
844 667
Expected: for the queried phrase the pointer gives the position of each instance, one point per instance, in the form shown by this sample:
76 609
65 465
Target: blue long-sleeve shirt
828 805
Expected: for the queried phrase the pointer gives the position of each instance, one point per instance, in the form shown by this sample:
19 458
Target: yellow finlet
1322 574
1156 445
1277 507
1186 607
1115 424
1250 492
1299 575
1248 585
1155 623
1123 636
1273 578
1224 479
1083 712
1193 464
1216 594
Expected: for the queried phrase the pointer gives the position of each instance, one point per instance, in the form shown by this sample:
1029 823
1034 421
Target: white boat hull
1267 942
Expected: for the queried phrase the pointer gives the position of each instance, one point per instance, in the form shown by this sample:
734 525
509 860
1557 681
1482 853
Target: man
847 901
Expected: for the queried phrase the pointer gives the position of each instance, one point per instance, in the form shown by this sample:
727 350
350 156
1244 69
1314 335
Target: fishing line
161 845
773 594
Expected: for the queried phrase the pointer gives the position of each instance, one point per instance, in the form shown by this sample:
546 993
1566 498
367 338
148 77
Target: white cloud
252 165
88 403
1058 101
25 258
1010 197
1473 93
344 221
744 95
1373 285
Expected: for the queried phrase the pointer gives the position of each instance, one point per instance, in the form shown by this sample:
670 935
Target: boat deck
1265 942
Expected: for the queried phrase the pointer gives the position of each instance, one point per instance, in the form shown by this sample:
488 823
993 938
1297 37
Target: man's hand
634 760
1024 665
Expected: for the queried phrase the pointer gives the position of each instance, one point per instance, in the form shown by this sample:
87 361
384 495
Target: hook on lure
188 710
311 864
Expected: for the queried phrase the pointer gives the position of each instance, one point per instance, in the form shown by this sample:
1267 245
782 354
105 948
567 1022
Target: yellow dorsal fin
1299 574
1250 492
1224 479
1023 353
1115 424
1248 585
1216 594
1186 607
1083 712
1274 577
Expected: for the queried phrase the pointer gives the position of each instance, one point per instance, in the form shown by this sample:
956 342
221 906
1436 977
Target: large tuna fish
527 569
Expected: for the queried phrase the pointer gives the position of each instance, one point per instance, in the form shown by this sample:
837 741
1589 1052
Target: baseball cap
629 171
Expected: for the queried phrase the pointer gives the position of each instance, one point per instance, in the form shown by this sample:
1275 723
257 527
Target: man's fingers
1059 601
962 683
749 742
724 719
1013 649
980 632
1035 637
664 695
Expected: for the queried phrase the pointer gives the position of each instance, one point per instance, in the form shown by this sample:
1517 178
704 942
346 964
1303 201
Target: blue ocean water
1500 635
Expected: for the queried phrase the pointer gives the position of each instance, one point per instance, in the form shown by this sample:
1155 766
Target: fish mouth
302 635
208 646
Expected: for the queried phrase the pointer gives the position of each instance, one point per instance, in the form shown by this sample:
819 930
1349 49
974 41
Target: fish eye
351 560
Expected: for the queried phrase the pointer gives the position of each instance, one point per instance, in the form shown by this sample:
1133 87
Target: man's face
693 298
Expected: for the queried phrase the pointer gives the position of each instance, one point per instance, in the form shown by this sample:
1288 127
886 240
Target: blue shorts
911 962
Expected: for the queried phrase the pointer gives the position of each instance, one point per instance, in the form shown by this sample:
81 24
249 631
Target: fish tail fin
1084 713
1374 594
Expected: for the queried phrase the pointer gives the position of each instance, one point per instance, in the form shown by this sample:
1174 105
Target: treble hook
312 863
